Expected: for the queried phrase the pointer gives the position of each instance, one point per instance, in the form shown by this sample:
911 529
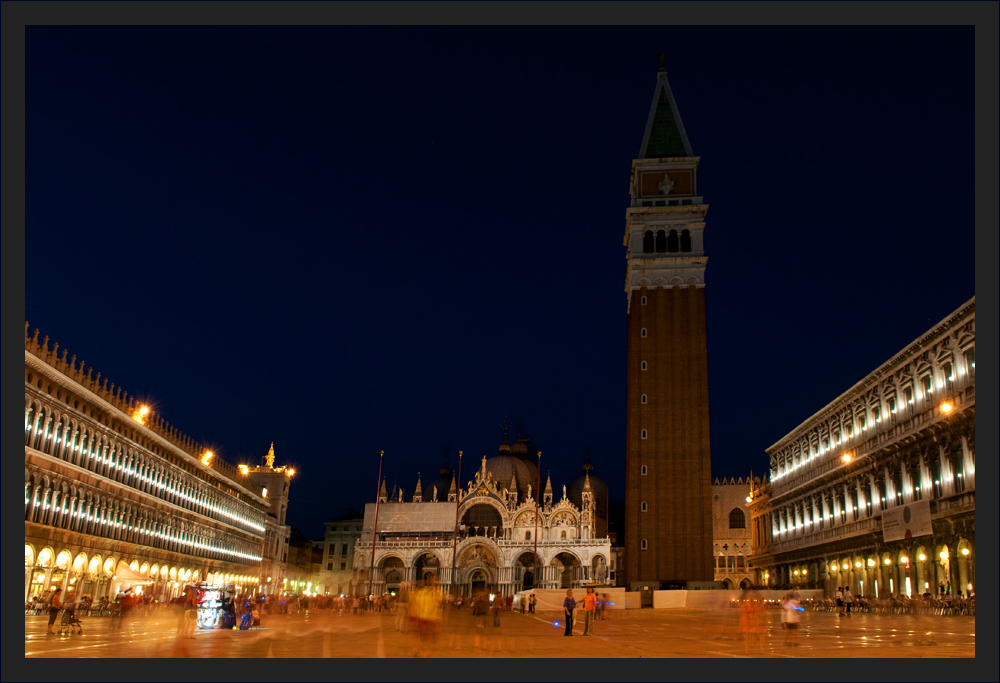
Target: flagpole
371 570
454 543
538 492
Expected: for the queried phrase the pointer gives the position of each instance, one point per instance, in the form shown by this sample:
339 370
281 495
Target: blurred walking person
480 607
430 613
790 617
403 609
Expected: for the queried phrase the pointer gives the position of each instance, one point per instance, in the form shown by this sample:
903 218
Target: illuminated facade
498 532
902 439
115 496
668 514
731 533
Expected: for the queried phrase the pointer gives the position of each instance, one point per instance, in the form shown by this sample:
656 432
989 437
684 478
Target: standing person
498 605
55 604
531 603
848 599
589 610
569 604
840 601
524 603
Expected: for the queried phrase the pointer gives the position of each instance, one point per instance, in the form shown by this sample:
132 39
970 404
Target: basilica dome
443 483
505 464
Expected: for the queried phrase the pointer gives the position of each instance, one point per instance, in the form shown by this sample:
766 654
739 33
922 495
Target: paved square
633 633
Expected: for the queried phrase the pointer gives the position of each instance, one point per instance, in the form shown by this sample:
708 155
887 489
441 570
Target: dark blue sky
349 239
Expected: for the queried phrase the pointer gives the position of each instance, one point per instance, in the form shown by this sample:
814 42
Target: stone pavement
628 634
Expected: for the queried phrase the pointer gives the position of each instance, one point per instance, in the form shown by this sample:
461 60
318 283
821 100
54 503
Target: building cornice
873 378
40 366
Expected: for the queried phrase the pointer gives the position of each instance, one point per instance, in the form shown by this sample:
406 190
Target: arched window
957 461
970 361
643 301
527 535
647 243
643 470
643 365
643 399
563 536
643 333
661 242
644 507
644 433
672 242
737 519
685 240
643 544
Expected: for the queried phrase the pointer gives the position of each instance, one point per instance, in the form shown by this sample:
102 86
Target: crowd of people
846 603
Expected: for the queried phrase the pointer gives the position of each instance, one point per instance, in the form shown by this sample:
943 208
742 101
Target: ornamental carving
666 185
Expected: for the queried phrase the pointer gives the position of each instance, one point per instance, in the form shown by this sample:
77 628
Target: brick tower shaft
668 514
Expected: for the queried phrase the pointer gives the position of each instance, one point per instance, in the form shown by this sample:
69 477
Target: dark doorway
478 582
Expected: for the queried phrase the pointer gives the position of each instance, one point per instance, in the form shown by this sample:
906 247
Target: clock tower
668 516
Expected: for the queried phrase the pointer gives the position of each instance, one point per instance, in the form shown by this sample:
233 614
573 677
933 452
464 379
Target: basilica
496 533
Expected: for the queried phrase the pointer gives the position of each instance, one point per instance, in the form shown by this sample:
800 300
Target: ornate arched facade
496 530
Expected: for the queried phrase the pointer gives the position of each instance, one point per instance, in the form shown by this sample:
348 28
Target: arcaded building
114 496
496 533
731 532
668 513
877 490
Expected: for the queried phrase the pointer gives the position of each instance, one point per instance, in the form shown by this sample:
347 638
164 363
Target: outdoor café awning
128 575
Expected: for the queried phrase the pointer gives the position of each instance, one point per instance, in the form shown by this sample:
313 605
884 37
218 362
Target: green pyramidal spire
664 136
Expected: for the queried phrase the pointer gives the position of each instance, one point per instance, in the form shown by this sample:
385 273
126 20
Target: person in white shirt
848 599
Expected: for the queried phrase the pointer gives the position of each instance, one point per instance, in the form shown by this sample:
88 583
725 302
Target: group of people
593 610
925 603
845 600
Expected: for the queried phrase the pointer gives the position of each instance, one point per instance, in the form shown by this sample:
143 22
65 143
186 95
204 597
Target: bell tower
668 516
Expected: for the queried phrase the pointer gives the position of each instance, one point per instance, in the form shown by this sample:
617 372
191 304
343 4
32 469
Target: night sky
345 239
